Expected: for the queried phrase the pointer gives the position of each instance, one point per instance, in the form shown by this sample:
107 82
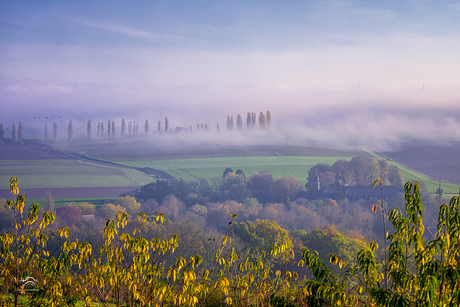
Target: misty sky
198 61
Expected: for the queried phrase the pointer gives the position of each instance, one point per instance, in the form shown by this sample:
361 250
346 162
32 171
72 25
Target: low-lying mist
337 127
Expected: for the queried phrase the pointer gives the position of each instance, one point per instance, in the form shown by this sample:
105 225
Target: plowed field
12 152
439 161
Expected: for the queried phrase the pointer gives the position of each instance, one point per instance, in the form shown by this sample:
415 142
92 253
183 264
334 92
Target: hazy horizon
341 71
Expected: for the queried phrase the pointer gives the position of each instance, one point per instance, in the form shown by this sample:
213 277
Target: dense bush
147 260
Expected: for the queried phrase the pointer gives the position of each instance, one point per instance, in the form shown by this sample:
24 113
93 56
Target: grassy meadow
186 147
68 174
74 173
181 160
278 166
189 169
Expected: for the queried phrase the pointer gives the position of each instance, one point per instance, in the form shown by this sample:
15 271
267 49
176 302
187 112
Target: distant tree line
359 171
264 121
17 134
131 128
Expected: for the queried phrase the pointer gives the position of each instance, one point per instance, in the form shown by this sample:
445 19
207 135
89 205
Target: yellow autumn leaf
374 208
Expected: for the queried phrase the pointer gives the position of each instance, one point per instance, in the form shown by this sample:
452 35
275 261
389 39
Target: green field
68 174
184 147
189 163
278 166
74 173
410 174
214 167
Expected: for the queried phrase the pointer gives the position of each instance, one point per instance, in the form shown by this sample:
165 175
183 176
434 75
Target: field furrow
138 177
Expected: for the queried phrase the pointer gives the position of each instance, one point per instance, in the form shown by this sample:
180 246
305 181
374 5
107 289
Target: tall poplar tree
113 129
20 136
98 130
229 123
108 129
253 120
130 128
70 130
123 127
166 125
239 122
2 133
262 120
55 132
14 133
102 130
248 120
146 127
88 129
268 119
159 126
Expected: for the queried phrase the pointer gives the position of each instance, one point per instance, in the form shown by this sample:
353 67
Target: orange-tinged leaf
374 208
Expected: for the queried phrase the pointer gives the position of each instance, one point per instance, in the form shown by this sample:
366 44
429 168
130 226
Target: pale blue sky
208 59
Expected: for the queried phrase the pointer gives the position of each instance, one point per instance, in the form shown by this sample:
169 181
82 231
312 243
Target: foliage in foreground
129 270
417 273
